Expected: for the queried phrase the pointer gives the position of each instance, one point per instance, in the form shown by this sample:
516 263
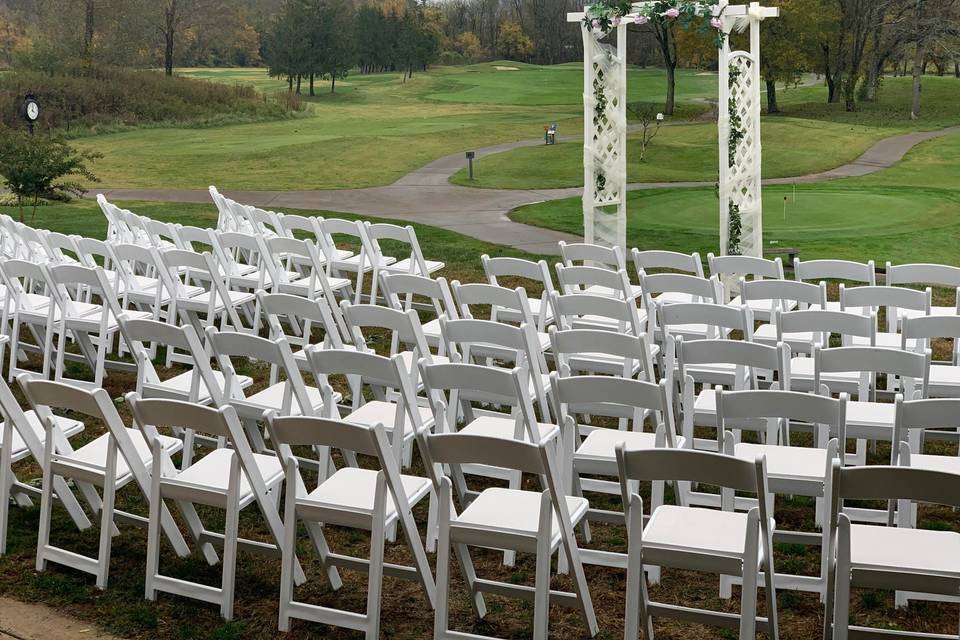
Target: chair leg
841 607
541 598
637 598
230 541
6 482
375 575
288 550
441 615
748 594
153 528
106 515
46 502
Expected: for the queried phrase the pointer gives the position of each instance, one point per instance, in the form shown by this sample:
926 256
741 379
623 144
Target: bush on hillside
87 97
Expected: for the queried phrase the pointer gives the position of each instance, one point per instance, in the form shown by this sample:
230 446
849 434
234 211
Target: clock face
33 110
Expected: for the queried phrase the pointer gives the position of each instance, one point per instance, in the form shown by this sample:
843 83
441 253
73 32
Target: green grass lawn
910 212
810 136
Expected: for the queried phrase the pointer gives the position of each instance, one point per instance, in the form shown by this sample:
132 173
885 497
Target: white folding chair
33 308
783 296
353 497
92 326
526 521
413 264
597 281
590 311
594 456
694 321
586 254
938 275
834 270
63 248
297 267
393 405
518 270
356 263
300 316
602 351
23 436
725 542
922 330
730 269
668 288
229 478
868 419
791 470
117 230
733 364
404 292
472 299
118 457
891 300
887 557
652 262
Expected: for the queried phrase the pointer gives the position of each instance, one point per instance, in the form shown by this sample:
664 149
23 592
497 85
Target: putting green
839 213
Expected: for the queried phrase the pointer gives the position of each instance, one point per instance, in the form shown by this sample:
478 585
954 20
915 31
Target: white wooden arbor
605 130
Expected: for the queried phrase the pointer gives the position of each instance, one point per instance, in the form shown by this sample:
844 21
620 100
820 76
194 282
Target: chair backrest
920 416
846 325
138 333
568 344
21 278
241 250
864 272
878 482
701 289
63 247
93 252
912 368
577 279
585 310
291 223
648 261
757 268
780 292
718 318
401 291
497 298
750 358
375 232
612 397
925 328
301 315
514 269
931 274
592 254
872 298
404 325
688 465
743 409
71 279
161 232
227 345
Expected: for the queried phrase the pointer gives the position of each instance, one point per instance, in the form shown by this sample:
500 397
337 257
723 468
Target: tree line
325 39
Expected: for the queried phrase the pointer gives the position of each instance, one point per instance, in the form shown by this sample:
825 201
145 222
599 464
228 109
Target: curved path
426 196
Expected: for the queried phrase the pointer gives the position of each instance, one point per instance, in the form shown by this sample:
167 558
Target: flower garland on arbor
737 134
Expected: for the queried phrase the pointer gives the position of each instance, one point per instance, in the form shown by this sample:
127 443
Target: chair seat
68 426
908 550
802 369
606 363
944 374
496 427
834 305
352 263
354 490
182 383
707 531
871 414
515 512
599 290
761 308
404 266
212 472
886 340
803 340
934 311
600 445
201 301
94 454
308 285
385 413
272 398
790 463
675 297
91 320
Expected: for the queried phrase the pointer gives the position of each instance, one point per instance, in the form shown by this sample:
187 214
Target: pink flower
616 21
671 13
716 23
595 24
641 20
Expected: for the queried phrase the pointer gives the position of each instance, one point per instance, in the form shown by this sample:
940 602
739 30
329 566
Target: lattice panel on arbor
605 141
744 174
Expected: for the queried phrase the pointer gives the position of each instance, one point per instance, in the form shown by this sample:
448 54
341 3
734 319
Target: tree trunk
311 86
917 82
290 84
333 83
956 69
668 50
88 26
299 78
772 106
169 35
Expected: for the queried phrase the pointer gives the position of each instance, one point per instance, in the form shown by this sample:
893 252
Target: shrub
35 167
90 97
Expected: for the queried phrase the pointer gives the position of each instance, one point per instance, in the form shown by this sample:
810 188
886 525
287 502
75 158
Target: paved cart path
426 196
24 621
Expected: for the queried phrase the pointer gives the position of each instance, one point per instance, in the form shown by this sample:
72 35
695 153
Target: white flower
659 117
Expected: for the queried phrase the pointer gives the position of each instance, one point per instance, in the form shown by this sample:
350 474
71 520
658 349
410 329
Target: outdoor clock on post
31 110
